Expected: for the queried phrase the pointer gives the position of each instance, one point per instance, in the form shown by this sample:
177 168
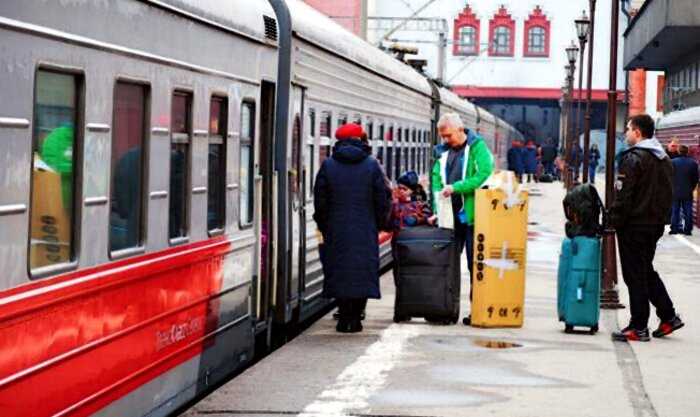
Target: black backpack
583 208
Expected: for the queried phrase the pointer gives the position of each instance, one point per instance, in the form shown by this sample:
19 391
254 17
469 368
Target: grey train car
157 160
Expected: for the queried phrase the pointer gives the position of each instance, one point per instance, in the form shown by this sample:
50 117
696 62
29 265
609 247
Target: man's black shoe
668 327
467 321
629 333
351 326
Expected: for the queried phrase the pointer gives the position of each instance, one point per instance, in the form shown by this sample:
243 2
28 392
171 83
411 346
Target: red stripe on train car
73 344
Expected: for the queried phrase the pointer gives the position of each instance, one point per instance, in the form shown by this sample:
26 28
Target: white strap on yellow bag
506 182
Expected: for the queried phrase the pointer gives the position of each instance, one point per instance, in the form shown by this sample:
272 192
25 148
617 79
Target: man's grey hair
450 120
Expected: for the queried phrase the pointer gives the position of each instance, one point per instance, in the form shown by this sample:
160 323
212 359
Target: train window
309 157
342 119
325 124
128 159
357 119
397 152
390 152
216 183
414 145
56 116
247 164
294 177
324 150
380 153
406 155
180 164
428 151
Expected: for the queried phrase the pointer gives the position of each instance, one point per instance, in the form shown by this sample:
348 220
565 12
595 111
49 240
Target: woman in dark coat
351 202
516 160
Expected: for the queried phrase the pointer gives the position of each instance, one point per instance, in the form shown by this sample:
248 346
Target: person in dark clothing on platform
685 179
593 160
351 202
549 154
641 209
530 156
516 160
576 160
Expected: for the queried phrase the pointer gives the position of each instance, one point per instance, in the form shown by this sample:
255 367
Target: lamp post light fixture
582 25
571 52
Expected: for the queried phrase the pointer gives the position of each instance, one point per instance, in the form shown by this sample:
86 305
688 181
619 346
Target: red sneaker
629 333
668 327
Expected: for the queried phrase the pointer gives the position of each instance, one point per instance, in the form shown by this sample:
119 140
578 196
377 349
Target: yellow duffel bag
500 244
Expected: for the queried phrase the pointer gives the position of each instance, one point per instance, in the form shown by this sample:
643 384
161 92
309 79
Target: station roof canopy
662 32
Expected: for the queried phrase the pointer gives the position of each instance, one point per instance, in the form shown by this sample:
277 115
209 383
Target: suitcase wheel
594 329
399 318
568 328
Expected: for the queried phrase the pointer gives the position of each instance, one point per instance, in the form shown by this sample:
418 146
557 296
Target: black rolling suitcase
426 274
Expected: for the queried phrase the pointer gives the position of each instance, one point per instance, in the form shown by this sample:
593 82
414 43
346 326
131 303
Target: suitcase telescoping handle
582 280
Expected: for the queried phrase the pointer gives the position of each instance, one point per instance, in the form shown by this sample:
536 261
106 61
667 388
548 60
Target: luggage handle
582 281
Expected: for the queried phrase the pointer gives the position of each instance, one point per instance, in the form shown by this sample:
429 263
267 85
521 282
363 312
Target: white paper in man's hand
444 211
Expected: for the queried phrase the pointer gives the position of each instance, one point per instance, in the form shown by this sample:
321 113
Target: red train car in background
684 126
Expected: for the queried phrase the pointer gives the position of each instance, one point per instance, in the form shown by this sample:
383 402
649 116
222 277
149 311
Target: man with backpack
640 211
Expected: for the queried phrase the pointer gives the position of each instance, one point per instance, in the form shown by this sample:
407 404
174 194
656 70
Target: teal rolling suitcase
578 287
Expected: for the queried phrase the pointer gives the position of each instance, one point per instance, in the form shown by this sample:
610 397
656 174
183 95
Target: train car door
264 185
297 199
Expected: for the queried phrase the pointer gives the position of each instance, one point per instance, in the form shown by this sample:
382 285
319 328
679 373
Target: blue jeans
591 173
686 206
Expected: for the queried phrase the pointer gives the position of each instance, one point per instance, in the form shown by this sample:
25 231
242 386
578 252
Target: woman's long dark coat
351 201
530 160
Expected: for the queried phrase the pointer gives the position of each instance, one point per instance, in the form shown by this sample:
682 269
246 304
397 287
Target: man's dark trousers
686 206
464 236
637 249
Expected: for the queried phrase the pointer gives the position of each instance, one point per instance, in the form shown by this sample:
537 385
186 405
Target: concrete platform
419 369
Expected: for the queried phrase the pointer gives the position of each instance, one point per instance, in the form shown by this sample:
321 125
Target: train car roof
311 25
485 116
687 117
458 103
242 16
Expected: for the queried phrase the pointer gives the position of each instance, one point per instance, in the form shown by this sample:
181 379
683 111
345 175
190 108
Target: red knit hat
349 131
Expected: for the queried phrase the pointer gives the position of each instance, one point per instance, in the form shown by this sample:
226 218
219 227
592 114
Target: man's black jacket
685 177
644 188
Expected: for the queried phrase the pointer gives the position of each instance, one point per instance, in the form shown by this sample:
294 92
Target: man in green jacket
454 177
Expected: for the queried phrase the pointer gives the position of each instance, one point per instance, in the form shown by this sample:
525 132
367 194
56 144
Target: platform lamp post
609 297
564 103
582 25
571 52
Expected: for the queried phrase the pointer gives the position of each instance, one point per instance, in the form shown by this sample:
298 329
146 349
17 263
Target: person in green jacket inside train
452 177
